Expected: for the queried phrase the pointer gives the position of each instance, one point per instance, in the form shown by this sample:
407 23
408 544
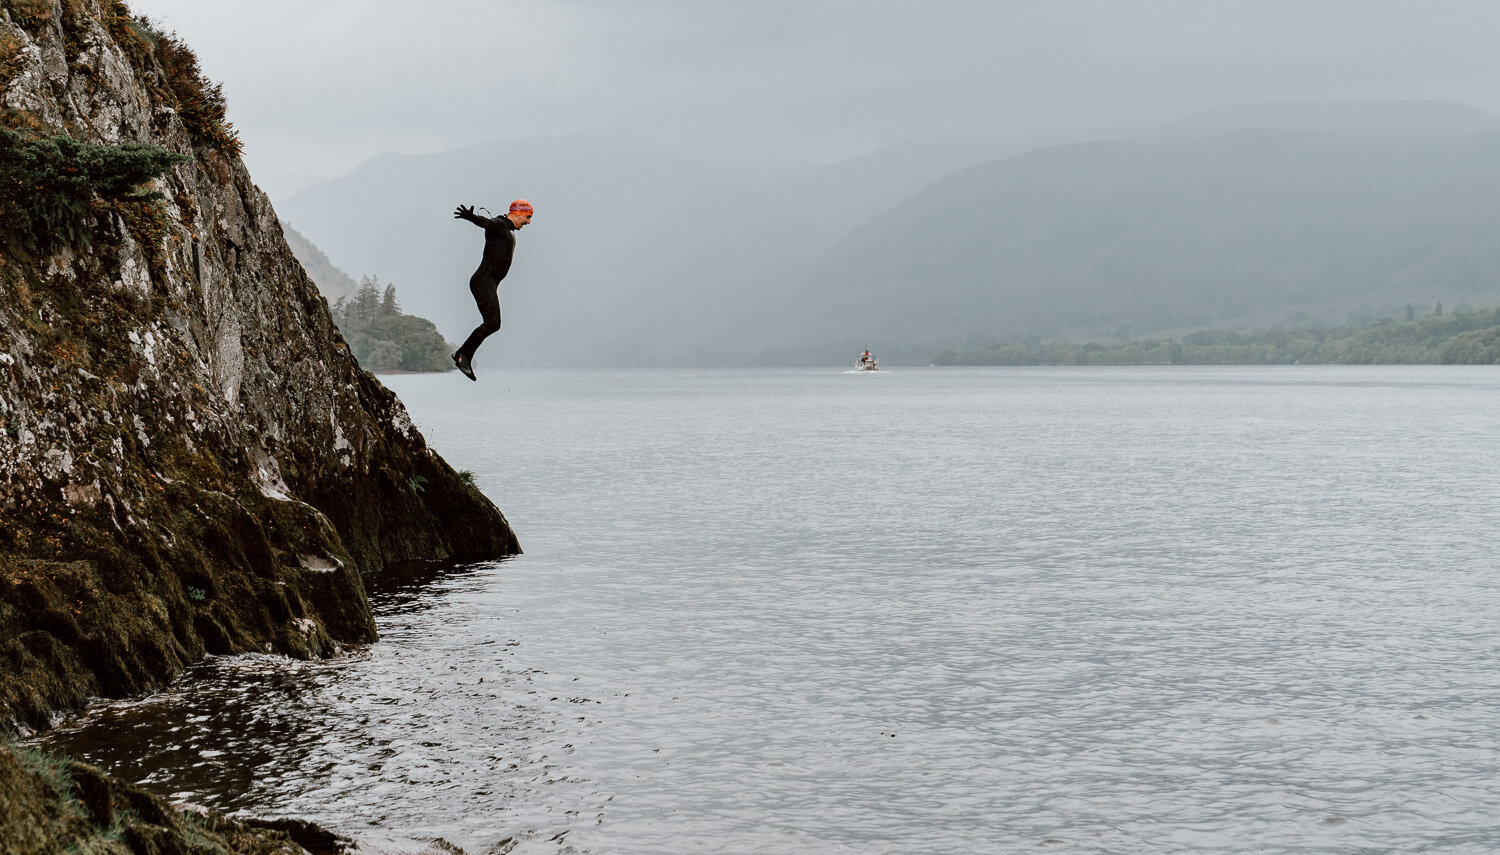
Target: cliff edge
191 461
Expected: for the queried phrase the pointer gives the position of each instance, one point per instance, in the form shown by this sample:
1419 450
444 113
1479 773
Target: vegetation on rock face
52 189
30 14
382 338
1460 338
200 102
10 52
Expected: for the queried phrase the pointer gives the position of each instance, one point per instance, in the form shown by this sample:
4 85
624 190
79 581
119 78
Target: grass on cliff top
200 101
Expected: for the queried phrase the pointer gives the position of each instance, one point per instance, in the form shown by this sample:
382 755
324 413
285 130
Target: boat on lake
866 362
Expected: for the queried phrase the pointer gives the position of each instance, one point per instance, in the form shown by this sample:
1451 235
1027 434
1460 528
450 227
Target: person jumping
499 247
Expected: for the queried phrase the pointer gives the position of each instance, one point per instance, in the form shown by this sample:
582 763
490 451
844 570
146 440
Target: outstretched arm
467 213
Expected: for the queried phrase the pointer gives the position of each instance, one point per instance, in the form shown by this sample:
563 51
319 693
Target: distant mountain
828 201
1380 118
641 255
333 283
636 254
1245 230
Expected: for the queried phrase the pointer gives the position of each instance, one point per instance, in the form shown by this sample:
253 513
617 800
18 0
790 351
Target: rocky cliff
191 461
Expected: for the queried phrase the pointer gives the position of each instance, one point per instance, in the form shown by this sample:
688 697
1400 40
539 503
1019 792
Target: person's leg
487 298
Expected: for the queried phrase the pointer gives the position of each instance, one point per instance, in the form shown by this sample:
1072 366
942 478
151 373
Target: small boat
866 362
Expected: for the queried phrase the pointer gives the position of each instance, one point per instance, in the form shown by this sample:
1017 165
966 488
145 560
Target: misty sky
316 88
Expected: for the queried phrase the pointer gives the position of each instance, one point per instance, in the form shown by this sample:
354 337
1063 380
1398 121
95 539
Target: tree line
384 339
1459 338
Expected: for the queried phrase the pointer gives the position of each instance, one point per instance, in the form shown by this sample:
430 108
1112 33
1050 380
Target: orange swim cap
520 206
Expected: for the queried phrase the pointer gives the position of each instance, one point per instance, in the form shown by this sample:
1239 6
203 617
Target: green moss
201 842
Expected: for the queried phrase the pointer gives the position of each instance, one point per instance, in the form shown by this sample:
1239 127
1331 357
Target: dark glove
464 213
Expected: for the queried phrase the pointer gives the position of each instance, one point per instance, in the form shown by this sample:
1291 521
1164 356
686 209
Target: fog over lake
781 183
782 80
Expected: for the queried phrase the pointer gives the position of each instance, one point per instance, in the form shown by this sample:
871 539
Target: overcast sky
317 87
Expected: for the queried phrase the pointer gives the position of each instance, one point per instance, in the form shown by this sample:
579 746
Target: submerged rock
191 461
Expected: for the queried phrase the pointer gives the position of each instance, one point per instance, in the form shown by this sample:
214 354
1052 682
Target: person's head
520 212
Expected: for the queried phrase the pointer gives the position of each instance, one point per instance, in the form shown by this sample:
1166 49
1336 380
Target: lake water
922 611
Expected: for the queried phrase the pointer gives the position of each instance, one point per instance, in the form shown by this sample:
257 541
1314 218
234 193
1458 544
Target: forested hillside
1243 231
1461 338
384 339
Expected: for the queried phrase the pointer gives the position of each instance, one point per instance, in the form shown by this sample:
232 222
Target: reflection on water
410 587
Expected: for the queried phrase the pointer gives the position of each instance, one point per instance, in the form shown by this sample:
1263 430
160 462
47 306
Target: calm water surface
924 611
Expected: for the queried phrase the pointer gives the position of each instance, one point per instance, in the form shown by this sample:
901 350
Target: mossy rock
50 804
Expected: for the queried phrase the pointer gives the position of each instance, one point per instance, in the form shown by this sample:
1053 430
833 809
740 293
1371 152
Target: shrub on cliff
53 188
200 102
382 338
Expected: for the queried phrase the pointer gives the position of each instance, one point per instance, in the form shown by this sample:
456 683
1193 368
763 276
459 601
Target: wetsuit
499 247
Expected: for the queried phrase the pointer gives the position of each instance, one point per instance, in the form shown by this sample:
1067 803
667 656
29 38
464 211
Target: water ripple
1085 611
